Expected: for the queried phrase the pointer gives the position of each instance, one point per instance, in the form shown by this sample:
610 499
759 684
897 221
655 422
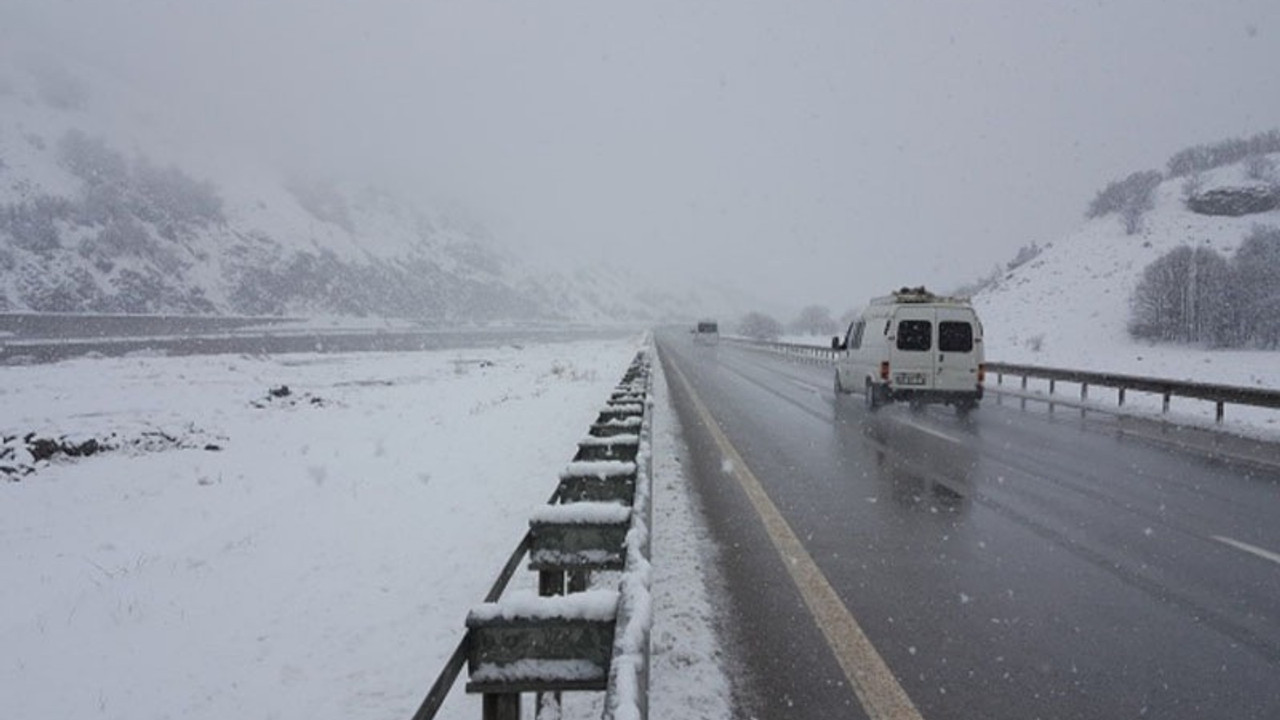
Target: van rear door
958 349
911 347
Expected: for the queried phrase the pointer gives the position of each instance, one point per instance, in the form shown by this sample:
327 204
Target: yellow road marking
880 693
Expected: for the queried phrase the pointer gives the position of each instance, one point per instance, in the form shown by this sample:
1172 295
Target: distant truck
913 346
706 332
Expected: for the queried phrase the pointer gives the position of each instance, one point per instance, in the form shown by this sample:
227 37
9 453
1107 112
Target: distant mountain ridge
92 219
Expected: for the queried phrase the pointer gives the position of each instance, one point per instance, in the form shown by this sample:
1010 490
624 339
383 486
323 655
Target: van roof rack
916 295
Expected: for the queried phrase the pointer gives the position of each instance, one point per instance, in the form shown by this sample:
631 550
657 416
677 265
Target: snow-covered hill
1070 305
107 204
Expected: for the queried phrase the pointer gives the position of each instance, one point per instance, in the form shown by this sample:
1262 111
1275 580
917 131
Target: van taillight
982 373
884 371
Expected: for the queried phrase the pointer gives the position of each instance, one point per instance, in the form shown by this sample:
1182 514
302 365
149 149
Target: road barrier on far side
572 636
1219 395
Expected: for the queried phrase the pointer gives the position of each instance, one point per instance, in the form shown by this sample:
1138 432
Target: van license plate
909 378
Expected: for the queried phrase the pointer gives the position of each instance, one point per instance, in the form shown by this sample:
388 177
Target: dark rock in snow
42 448
84 449
1235 201
282 396
20 456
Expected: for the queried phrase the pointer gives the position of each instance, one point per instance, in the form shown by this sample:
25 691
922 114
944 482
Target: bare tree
814 320
1184 296
1256 294
758 326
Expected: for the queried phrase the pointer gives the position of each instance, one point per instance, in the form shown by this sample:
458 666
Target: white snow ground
321 563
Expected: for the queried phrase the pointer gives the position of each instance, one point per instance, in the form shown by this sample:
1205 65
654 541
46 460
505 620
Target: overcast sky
808 150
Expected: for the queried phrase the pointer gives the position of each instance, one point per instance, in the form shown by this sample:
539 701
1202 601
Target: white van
913 346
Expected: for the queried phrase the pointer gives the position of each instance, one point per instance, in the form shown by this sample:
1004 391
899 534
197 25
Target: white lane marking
1251 549
932 432
806 386
874 684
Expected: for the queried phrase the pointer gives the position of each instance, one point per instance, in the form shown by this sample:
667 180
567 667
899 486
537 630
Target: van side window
855 335
915 335
955 336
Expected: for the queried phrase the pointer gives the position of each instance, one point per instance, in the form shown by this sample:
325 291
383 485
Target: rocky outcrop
1235 201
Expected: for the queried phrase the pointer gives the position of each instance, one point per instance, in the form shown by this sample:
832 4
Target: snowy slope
86 231
1069 307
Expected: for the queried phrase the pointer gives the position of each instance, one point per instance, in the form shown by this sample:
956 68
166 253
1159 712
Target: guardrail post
1218 419
1084 395
1024 392
550 582
1165 407
505 706
1122 397
1052 384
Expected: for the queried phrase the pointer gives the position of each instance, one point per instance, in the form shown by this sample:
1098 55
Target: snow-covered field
320 561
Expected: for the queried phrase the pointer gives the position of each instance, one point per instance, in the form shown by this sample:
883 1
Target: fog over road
1012 564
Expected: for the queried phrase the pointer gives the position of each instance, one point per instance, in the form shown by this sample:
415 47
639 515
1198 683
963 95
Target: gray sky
814 151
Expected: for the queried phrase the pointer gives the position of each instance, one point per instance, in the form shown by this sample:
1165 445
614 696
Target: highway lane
1009 565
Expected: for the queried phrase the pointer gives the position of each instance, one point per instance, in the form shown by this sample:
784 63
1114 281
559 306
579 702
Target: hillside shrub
32 224
113 189
169 194
1131 198
75 291
1025 254
1200 158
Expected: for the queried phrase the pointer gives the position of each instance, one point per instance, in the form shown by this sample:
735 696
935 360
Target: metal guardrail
627 684
1220 395
810 352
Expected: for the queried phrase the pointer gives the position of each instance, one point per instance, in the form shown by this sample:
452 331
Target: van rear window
955 336
915 335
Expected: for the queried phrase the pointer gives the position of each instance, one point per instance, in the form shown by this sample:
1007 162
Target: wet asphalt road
1011 565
